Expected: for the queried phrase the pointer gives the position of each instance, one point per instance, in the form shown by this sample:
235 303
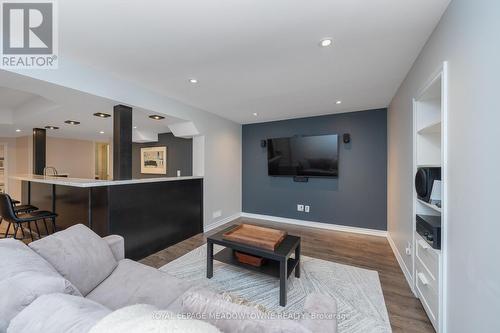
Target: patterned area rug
361 305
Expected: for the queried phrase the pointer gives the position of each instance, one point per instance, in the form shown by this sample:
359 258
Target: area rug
361 305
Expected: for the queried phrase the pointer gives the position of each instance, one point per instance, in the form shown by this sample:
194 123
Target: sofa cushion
135 283
58 313
79 254
235 318
24 276
117 245
142 318
320 313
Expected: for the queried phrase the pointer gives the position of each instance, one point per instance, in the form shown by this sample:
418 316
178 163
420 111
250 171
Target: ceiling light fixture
193 81
52 127
102 115
326 42
18 130
338 102
135 127
156 117
72 122
101 132
255 114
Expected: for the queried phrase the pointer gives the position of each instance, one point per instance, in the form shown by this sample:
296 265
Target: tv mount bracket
300 179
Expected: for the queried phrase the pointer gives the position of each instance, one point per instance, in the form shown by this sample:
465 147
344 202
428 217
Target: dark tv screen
310 156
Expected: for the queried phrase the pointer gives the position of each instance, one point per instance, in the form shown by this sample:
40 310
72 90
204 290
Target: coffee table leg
297 257
210 260
283 281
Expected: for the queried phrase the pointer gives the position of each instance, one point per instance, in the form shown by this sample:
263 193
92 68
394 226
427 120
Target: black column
39 142
122 142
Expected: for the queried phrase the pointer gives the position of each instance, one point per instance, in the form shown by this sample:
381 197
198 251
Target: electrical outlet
217 214
300 208
306 209
408 249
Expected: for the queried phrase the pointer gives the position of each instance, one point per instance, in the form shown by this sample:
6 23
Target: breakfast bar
151 214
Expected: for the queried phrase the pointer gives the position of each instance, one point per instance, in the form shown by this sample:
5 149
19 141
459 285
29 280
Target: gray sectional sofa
71 280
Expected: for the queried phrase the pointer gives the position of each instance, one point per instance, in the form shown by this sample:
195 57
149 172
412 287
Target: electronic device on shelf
424 181
429 227
435 198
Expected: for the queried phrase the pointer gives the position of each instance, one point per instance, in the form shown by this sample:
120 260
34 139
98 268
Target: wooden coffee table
280 264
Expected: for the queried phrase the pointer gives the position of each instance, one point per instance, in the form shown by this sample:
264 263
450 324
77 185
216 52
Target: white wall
468 38
10 166
19 161
222 154
74 157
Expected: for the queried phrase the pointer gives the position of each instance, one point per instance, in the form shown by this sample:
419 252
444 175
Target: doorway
102 169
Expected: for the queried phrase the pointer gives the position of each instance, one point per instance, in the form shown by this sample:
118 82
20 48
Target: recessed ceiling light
193 81
72 122
156 117
135 127
255 114
102 115
101 132
18 130
326 42
52 127
338 102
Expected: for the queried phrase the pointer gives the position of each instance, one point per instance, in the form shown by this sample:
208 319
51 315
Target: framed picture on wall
154 160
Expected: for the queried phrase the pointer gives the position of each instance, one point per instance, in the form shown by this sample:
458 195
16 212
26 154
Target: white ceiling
12 99
254 55
25 111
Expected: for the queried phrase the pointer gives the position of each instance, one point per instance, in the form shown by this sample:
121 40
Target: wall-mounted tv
307 156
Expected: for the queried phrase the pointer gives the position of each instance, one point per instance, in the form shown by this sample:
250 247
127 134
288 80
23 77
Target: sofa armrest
117 245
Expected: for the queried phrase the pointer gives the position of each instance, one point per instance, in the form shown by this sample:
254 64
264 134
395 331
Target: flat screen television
307 156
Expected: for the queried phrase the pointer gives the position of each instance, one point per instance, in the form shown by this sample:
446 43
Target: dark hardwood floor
405 311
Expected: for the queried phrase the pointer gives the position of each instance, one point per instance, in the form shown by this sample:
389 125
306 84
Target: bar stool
19 209
24 208
8 213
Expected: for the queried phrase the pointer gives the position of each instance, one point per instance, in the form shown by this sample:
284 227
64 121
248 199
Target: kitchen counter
82 182
151 214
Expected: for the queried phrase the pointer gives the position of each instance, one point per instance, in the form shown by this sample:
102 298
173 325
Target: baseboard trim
216 224
319 225
401 263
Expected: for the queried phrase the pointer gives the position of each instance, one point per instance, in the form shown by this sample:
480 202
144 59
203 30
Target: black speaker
263 143
346 137
424 179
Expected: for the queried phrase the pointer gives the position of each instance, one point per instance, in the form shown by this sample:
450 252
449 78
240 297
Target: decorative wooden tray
265 238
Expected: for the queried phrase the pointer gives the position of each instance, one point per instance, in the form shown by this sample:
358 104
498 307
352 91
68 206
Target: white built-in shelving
431 128
3 171
431 206
429 265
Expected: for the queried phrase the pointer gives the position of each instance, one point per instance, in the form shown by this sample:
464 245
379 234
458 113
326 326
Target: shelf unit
431 128
3 171
430 150
428 205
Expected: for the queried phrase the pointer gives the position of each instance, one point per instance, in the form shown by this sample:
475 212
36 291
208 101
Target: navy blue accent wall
357 198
